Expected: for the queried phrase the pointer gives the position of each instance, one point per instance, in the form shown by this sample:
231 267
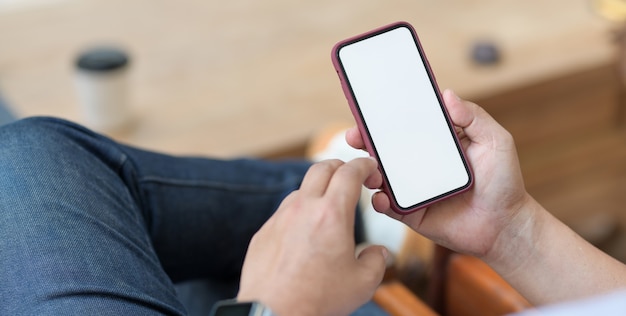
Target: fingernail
385 253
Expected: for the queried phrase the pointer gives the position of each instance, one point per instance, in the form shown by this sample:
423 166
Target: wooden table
249 77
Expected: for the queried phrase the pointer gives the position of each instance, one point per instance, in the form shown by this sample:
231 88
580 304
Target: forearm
547 262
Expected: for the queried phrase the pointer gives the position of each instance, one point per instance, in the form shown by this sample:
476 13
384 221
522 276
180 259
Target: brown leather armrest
473 288
397 300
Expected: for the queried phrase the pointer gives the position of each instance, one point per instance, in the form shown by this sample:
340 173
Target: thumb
475 121
459 112
373 260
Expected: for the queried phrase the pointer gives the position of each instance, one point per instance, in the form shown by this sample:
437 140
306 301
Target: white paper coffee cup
101 83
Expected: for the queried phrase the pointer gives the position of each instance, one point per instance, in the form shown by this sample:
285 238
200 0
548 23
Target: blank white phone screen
403 117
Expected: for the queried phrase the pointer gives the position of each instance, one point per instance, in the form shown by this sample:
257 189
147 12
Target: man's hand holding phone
499 222
476 221
426 142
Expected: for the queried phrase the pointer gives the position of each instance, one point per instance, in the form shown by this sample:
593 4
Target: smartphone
399 110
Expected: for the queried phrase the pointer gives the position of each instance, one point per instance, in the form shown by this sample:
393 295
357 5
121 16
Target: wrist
516 244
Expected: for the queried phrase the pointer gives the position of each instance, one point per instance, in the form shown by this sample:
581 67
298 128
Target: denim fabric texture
89 226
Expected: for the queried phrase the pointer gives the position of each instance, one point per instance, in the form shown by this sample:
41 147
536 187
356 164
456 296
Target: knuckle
326 166
507 139
352 169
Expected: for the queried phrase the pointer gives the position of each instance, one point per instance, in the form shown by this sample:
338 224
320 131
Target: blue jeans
90 226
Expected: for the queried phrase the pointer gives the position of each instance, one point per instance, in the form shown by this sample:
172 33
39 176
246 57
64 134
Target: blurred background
254 78
228 78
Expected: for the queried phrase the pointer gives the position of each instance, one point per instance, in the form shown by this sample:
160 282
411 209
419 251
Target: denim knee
40 134
69 226
30 144
48 155
35 142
